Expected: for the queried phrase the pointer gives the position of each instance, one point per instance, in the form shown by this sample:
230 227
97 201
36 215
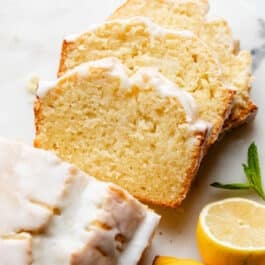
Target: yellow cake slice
190 15
179 56
136 129
52 213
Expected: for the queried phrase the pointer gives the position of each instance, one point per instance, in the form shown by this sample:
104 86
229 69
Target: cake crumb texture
133 136
216 33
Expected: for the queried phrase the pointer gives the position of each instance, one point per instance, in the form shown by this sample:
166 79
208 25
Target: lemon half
232 232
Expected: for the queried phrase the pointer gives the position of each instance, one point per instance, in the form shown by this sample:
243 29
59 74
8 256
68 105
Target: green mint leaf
232 186
253 158
252 172
253 165
248 173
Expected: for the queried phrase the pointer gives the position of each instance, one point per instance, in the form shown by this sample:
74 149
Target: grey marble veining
258 52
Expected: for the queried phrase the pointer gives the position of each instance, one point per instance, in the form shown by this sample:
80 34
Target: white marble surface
30 38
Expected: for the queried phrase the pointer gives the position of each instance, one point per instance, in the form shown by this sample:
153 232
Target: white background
30 38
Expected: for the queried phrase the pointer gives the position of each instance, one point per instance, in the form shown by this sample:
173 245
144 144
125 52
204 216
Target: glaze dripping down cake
56 214
136 129
178 55
216 33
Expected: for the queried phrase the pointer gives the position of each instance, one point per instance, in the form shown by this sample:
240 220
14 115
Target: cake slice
54 213
179 56
136 129
190 15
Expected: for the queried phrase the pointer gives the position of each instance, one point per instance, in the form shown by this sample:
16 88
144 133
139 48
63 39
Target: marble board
30 38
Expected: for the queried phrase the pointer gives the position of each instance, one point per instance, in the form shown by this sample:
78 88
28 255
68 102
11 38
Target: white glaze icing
144 78
21 172
16 251
24 169
150 77
153 28
201 125
73 234
67 234
43 87
113 65
139 241
74 36
78 230
20 214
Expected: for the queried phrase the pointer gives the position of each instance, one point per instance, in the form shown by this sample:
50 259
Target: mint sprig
252 172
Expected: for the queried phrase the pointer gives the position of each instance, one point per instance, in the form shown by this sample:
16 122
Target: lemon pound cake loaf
190 15
180 56
54 214
139 131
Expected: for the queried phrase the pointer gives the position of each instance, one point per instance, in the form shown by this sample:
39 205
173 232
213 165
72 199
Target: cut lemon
232 232
160 260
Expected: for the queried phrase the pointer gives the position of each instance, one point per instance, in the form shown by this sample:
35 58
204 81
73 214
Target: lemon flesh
232 232
174 261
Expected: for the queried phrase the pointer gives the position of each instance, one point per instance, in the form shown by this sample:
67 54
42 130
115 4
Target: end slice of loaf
190 15
137 130
180 56
54 213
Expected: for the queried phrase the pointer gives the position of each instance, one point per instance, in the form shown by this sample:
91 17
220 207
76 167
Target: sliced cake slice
54 213
136 129
179 56
190 15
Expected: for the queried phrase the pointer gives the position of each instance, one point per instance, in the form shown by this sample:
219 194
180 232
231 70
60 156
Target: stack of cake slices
141 98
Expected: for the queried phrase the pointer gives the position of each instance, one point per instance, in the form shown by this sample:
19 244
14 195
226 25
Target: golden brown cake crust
61 68
241 116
